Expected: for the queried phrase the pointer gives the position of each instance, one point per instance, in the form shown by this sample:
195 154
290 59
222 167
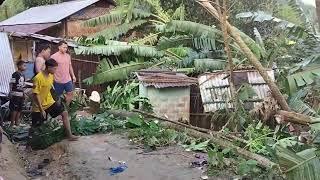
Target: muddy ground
91 157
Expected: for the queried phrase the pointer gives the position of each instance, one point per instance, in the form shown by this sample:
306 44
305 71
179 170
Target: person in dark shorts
64 78
44 103
17 84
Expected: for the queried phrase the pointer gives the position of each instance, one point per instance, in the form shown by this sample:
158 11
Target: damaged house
52 23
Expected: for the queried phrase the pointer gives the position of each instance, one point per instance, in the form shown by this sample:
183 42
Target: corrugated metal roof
71 43
48 14
89 13
6 64
215 89
164 79
27 28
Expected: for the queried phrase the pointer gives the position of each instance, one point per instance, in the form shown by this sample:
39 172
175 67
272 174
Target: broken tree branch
252 58
199 132
262 161
220 134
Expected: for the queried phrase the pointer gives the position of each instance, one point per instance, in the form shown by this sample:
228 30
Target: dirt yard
91 157
11 168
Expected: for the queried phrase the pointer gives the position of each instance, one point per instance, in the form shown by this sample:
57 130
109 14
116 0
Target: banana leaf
303 165
109 73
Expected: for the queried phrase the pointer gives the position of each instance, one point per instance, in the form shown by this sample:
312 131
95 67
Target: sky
312 2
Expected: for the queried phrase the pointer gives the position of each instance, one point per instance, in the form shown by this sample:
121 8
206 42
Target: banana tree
168 32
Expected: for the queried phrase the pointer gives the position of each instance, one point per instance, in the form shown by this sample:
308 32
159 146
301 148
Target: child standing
17 85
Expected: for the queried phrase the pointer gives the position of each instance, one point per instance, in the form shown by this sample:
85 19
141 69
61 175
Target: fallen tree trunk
251 57
295 117
219 134
262 161
219 140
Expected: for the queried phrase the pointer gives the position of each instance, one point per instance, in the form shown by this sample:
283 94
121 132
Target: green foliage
107 72
99 123
257 136
103 47
248 167
116 17
124 97
10 8
114 32
302 165
150 39
296 102
194 146
215 159
34 3
302 78
246 92
47 134
52 131
151 134
207 65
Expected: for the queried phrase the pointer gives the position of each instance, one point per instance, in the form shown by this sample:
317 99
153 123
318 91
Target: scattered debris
119 169
204 177
200 161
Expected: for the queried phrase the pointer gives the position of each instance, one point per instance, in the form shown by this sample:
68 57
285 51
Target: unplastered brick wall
173 102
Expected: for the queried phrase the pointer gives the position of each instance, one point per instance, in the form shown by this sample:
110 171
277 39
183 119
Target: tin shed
215 88
168 92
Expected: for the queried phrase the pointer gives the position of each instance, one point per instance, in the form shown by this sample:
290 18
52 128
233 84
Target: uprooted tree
246 50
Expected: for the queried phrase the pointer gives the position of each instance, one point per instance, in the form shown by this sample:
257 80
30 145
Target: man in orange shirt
64 76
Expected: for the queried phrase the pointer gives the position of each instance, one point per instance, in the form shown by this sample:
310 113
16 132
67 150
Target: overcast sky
312 2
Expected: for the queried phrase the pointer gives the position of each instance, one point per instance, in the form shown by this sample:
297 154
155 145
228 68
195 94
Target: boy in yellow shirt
44 102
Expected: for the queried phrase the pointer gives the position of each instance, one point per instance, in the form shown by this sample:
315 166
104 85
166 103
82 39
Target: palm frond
116 31
302 78
189 60
204 65
150 39
114 73
187 41
159 12
297 104
146 51
130 11
192 28
179 13
254 47
302 165
114 17
264 17
204 31
118 48
259 41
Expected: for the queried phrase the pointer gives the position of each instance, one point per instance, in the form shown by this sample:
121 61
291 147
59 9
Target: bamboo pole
252 58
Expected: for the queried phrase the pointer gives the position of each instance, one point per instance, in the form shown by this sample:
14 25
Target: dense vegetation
167 35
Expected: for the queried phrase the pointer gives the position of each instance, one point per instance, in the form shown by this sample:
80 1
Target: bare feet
73 138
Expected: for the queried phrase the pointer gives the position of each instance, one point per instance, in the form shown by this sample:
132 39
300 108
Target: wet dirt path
91 157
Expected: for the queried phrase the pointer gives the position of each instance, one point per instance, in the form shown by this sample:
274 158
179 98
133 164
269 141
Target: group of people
54 76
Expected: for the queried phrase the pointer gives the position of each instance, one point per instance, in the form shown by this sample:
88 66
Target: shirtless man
44 52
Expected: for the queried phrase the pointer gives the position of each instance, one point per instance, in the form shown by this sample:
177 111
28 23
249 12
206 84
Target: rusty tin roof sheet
215 89
164 79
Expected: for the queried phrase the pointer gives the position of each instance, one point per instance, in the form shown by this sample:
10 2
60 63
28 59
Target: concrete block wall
173 102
